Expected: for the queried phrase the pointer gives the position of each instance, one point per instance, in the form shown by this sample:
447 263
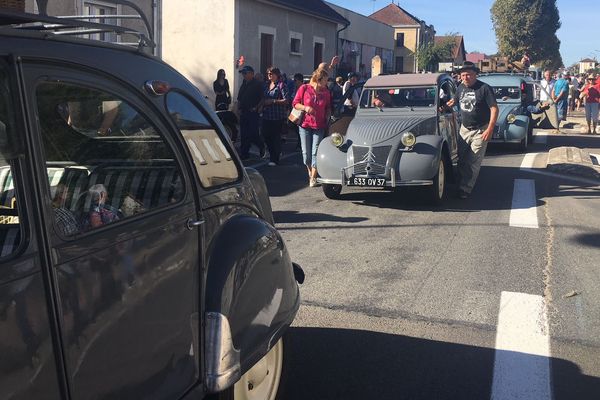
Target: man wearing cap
479 112
249 99
351 95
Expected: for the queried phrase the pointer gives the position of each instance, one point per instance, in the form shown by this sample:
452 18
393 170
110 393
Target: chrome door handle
191 224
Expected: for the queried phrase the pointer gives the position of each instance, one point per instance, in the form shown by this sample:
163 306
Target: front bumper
392 183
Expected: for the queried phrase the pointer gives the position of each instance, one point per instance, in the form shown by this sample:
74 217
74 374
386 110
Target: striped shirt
276 112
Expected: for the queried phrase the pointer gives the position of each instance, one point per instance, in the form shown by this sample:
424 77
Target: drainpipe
337 39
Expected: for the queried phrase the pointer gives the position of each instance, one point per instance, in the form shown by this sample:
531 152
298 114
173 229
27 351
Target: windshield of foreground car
507 92
405 97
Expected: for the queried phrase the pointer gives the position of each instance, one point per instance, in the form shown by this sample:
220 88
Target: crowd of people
264 104
571 93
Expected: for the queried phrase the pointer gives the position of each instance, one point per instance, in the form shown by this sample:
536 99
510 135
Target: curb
572 161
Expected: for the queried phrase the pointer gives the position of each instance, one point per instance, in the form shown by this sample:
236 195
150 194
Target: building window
399 64
295 45
399 39
100 9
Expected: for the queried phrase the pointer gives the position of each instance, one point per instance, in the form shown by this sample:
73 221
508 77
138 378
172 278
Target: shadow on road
284 217
328 364
588 239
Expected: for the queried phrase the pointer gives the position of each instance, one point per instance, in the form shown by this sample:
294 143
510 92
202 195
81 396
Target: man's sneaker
272 164
463 195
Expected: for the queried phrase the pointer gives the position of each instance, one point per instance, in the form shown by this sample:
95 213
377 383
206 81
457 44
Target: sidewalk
576 160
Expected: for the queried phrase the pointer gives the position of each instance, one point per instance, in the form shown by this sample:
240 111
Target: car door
125 259
448 123
27 358
549 118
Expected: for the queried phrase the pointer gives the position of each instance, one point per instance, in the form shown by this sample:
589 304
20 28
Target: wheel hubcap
262 380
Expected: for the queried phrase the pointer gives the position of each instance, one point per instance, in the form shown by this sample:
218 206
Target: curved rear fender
518 129
422 161
330 159
250 281
262 194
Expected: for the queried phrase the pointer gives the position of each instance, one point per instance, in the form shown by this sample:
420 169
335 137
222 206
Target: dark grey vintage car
400 136
138 258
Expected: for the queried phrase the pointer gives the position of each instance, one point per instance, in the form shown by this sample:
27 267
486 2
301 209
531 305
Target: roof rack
77 25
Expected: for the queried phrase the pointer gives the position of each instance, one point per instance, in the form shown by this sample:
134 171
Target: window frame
220 134
17 169
87 81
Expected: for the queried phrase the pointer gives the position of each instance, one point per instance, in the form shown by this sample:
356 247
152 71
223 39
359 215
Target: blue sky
471 18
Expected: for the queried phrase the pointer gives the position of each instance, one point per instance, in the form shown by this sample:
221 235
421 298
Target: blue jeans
310 138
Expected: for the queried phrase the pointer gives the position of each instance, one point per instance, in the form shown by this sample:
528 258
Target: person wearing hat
479 112
350 93
250 98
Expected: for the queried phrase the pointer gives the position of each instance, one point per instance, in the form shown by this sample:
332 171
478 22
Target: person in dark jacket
222 93
250 99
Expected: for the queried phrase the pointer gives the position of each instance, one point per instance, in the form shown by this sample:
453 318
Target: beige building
586 64
409 33
201 37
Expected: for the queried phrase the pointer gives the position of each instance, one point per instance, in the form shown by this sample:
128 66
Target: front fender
331 159
250 281
422 161
518 129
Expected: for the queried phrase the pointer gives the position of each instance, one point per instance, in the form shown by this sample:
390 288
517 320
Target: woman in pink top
591 93
315 100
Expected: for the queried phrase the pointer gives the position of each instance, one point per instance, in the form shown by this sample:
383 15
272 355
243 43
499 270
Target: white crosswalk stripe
522 359
523 213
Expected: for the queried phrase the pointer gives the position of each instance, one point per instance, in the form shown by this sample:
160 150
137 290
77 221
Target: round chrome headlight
408 139
511 118
337 139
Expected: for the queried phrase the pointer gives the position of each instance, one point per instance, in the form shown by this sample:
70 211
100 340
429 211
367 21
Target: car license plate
370 182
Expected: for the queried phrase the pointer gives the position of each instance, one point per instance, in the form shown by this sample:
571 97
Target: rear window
507 92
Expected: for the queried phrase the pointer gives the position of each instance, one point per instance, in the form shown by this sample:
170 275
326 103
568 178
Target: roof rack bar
41 22
100 16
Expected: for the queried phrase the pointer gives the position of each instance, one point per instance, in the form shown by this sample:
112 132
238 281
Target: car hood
374 130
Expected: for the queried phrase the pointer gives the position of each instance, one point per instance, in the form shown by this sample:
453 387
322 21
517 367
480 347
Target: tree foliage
528 26
429 55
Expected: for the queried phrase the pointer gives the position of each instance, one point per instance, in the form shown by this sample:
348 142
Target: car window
105 161
10 224
507 92
212 157
395 97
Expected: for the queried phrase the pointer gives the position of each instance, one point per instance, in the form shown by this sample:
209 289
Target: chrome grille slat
377 162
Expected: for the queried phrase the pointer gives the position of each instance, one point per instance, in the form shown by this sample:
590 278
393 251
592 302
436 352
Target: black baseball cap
245 69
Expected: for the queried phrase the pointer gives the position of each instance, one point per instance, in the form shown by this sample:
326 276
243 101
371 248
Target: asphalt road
405 301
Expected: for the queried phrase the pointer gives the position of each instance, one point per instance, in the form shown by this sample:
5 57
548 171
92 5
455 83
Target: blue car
520 110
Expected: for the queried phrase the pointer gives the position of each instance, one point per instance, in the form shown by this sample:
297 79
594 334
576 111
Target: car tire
332 191
231 132
263 381
524 144
530 130
436 193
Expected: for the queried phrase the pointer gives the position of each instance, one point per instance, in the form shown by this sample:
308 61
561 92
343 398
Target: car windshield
507 92
398 97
